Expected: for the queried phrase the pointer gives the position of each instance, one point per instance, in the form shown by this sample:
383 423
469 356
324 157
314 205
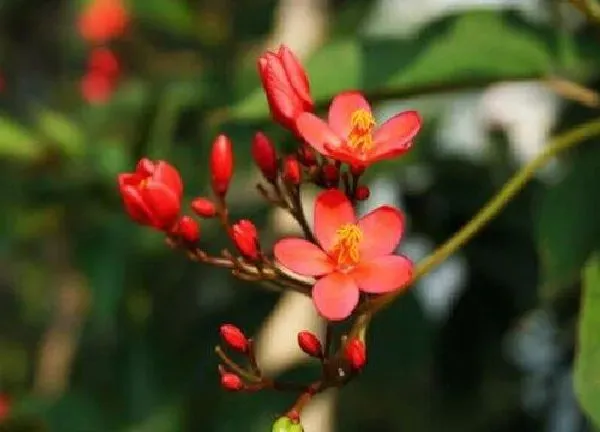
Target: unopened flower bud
265 156
355 353
286 424
231 382
245 237
188 229
234 337
331 174
310 344
204 207
362 193
221 164
307 156
357 170
291 170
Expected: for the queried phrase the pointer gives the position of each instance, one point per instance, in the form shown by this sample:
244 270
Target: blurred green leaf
567 225
167 15
473 46
17 142
167 419
587 363
64 133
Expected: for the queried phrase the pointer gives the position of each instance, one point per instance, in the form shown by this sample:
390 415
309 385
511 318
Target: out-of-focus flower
103 20
350 134
352 255
286 86
96 88
152 194
103 61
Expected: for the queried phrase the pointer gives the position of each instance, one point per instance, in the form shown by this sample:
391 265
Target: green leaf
474 46
64 133
587 363
17 142
568 229
171 15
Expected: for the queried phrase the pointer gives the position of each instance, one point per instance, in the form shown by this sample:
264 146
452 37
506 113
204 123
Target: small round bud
291 170
357 170
362 193
234 337
231 382
188 229
286 424
310 344
306 156
331 174
204 207
245 237
355 353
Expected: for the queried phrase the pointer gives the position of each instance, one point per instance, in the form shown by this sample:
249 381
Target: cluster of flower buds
99 23
341 259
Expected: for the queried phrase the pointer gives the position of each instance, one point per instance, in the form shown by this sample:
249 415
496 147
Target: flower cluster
341 261
100 23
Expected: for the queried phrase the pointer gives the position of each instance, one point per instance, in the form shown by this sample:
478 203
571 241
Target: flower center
143 183
361 134
345 250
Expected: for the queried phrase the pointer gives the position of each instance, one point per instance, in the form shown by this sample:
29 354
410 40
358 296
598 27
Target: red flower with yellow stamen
352 255
350 135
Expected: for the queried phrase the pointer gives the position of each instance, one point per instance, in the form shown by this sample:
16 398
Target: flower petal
167 174
341 109
392 153
164 205
332 210
302 257
383 274
135 205
382 229
396 132
335 296
317 133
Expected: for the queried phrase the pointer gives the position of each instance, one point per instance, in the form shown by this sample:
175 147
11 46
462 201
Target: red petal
162 202
302 257
397 132
382 229
332 210
297 76
383 274
335 296
129 179
394 152
135 206
168 175
317 133
341 109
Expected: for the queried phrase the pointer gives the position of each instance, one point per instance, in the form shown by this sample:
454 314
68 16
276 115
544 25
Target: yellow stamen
143 183
361 135
345 250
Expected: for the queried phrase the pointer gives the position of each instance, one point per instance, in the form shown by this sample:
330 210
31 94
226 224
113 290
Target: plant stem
486 214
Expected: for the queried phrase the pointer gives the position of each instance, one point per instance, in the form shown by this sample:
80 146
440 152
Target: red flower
286 86
350 134
152 194
352 255
103 20
96 88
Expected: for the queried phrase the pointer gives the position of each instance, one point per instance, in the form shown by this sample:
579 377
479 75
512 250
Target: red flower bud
152 194
96 88
204 207
307 156
231 382
103 20
357 170
245 237
234 338
221 164
355 353
265 156
188 229
286 86
103 61
5 405
331 174
362 193
310 344
291 170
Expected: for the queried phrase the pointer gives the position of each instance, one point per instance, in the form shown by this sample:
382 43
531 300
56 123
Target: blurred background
103 328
